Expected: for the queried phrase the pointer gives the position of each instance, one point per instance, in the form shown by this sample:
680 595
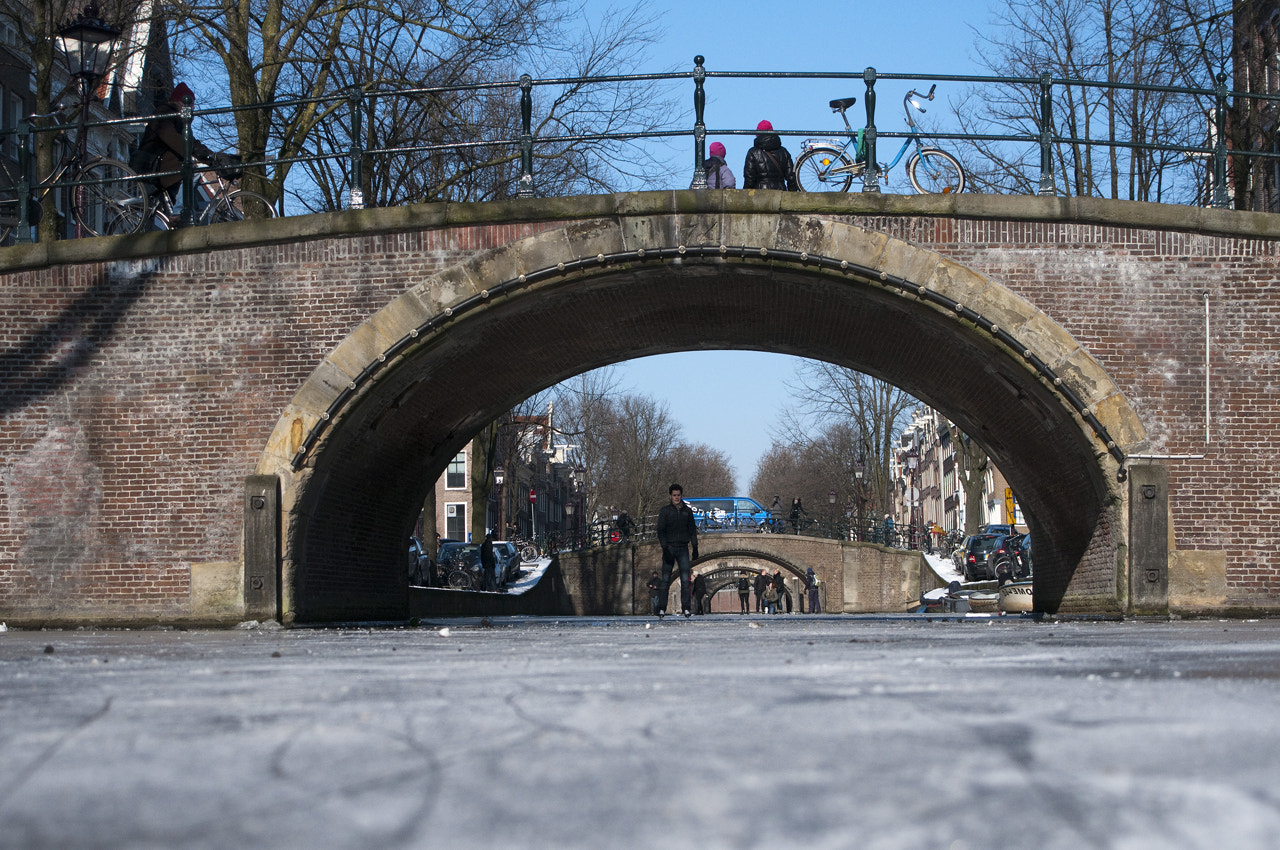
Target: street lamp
913 468
831 510
573 528
86 44
859 470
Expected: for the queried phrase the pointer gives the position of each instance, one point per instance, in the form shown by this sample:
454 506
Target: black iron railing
606 532
1214 151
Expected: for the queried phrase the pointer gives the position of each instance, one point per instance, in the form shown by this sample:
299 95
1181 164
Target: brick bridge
853 577
240 421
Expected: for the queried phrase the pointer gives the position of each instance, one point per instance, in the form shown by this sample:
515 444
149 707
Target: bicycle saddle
842 104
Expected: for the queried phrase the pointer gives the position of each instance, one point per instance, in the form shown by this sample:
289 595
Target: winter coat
768 165
762 581
676 526
161 146
718 174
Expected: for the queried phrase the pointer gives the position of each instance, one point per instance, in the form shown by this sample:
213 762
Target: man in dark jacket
655 592
161 145
677 532
762 582
701 605
488 564
768 164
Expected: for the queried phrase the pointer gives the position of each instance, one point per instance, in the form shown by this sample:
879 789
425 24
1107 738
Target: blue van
730 513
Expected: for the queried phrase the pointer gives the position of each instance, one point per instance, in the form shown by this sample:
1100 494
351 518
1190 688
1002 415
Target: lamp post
573 527
913 494
859 470
87 44
831 511
500 527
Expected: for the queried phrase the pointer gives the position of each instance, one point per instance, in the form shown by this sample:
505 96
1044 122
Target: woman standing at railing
768 164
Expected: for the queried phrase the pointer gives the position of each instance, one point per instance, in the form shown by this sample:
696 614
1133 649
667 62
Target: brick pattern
136 396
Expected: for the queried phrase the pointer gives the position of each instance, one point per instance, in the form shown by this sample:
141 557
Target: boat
1016 597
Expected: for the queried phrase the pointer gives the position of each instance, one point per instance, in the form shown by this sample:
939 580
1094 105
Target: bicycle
826 166
98 200
221 200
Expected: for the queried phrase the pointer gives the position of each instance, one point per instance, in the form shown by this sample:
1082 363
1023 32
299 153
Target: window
12 118
455 478
455 520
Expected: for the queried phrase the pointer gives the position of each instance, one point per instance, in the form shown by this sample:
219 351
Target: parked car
419 564
957 554
976 567
460 565
996 528
730 513
1011 559
509 560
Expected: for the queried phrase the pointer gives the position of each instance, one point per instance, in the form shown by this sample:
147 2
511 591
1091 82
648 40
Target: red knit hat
764 125
180 91
717 149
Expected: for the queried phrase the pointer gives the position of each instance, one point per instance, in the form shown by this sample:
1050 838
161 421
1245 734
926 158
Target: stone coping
415 217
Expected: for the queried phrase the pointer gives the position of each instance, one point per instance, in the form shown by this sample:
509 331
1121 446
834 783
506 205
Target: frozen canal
716 732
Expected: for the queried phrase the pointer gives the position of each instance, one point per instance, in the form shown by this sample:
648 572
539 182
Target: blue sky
731 400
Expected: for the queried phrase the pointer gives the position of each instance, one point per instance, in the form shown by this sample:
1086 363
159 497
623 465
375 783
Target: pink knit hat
764 125
717 149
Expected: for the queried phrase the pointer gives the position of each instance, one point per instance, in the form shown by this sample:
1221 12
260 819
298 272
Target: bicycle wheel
130 216
108 194
238 205
815 167
935 172
529 552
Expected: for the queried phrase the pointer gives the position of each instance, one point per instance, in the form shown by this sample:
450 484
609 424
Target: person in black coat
701 605
744 594
768 164
655 592
488 564
677 532
780 585
762 581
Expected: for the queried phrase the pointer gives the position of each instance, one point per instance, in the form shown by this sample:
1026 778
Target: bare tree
972 464
291 66
872 410
700 469
1171 43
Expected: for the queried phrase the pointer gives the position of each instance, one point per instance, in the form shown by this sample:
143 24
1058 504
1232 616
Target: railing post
1046 135
870 174
188 165
1221 198
526 137
699 128
24 181
355 193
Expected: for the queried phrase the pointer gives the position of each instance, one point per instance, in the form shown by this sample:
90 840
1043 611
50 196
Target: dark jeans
673 554
745 599
656 603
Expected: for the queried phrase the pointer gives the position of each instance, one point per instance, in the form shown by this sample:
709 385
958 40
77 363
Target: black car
419 564
976 567
460 566
1011 559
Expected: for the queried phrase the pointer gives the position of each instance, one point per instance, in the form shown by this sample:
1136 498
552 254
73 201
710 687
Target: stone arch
388 407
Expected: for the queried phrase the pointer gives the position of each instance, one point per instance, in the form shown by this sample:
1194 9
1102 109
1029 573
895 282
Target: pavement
717 732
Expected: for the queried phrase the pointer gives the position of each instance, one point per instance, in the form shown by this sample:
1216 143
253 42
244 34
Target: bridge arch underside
355 493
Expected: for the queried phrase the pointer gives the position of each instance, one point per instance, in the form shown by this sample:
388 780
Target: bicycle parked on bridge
220 200
827 165
98 200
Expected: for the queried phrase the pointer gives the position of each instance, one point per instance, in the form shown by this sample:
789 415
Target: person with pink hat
718 174
768 164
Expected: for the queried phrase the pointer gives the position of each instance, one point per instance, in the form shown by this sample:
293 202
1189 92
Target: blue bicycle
827 165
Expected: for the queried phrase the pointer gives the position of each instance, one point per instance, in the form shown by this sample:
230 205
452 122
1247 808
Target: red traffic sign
533 496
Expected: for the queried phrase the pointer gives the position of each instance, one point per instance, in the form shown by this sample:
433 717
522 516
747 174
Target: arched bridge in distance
242 420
